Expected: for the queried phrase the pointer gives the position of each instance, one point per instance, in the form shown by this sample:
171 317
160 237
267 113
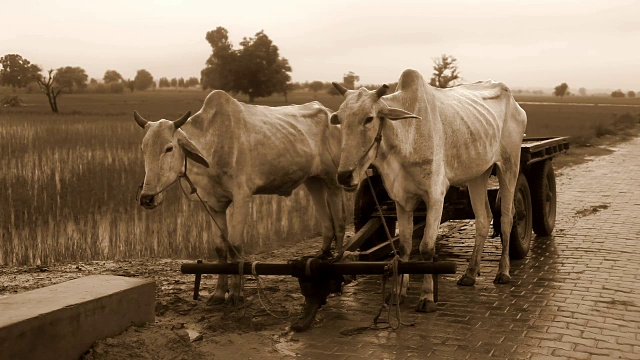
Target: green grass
69 180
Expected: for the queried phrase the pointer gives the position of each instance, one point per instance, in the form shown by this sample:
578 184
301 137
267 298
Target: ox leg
335 200
316 189
507 177
222 285
435 203
405 231
236 232
480 204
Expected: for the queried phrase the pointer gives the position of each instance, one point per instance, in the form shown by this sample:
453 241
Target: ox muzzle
347 180
150 201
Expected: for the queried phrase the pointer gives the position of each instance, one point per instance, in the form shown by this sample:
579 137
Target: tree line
18 72
562 90
254 68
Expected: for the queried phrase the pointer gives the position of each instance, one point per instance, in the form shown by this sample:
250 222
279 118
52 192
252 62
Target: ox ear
334 120
191 150
397 114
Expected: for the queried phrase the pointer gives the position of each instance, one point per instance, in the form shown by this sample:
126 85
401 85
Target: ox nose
345 178
146 199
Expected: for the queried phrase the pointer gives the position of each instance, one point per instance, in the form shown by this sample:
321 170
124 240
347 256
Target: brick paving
575 296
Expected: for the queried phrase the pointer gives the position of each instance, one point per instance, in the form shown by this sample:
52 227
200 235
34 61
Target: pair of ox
421 139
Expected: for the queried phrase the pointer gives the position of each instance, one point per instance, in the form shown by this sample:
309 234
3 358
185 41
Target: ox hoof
391 300
324 255
301 325
426 306
466 280
235 300
502 278
215 300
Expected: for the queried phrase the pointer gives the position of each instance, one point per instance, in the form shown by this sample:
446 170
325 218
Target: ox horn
139 119
382 91
341 89
178 123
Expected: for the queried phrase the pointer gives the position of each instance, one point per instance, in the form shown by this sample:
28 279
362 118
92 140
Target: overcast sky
595 44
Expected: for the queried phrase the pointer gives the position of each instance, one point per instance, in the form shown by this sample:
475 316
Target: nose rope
193 190
376 140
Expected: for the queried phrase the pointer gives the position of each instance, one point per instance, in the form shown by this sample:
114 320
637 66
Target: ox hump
489 89
410 79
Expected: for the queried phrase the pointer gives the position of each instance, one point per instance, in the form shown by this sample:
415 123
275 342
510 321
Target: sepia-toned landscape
418 108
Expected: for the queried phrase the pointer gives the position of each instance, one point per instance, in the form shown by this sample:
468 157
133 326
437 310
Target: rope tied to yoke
241 259
392 268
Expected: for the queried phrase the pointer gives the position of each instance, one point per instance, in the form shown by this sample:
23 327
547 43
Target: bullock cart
534 205
534 211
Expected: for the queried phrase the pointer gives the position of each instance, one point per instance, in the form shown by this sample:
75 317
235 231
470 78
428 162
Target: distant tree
617 94
445 71
192 81
582 91
112 76
256 69
164 83
130 84
71 78
17 71
174 82
631 94
288 87
219 72
143 80
282 79
115 87
350 79
181 82
561 90
50 89
260 70
93 82
316 86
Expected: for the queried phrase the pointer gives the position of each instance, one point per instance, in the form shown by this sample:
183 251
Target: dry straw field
69 180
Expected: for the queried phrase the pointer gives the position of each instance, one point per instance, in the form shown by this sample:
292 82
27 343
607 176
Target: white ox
239 150
448 137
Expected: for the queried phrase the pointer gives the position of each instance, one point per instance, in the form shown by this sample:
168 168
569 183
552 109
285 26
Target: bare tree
48 87
445 71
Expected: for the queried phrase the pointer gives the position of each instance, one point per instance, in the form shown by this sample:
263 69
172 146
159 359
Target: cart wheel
520 238
364 206
543 198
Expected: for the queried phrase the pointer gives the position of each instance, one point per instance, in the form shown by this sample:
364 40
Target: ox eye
368 119
169 148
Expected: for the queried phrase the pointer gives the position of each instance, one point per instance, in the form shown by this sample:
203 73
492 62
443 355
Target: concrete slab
62 321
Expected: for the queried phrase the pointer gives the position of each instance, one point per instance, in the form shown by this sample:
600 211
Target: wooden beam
381 251
364 234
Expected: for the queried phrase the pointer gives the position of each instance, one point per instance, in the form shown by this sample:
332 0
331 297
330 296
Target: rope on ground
260 289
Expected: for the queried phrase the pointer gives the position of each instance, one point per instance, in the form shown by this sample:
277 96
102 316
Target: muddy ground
186 328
